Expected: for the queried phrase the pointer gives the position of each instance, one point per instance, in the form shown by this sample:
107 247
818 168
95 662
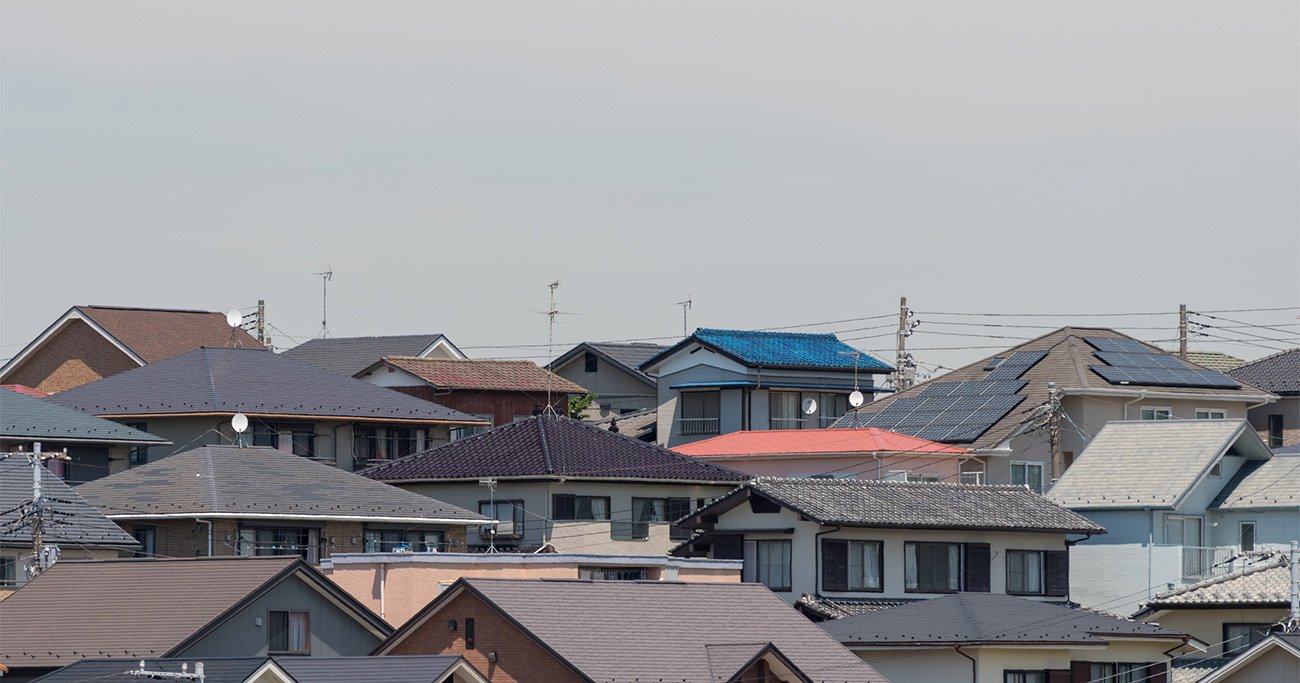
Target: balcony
697 426
1202 562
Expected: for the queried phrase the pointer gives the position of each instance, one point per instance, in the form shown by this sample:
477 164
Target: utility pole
550 314
325 277
43 556
1054 430
261 323
1182 331
686 306
1292 624
903 365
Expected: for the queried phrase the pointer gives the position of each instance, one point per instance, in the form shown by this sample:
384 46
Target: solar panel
986 387
952 418
1165 377
1119 345
1015 366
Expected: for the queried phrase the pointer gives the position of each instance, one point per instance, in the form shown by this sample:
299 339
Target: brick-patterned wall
74 356
518 657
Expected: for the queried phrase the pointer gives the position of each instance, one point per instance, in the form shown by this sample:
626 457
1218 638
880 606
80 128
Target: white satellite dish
809 406
856 398
234 318
239 422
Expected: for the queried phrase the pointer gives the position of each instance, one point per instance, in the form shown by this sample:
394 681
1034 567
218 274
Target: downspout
1141 396
209 523
974 672
876 456
817 560
383 575
1151 541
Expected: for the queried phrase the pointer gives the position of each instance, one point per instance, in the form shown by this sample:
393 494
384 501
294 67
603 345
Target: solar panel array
1015 365
1131 362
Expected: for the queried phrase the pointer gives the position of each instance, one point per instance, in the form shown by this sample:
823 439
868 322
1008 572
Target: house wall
945 665
398 587
617 391
189 538
518 658
1275 527
571 536
1118 577
503 406
22 556
1271 667
1289 408
806 554
72 356
334 632
857 466
1206 625
89 461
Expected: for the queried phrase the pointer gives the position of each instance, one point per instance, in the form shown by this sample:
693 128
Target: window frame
1255 630
1155 413
148 544
960 569
11 563
556 497
418 544
594 573
1276 427
1042 572
590 362
517 520
137 455
1026 465
306 616
763 570
1254 534
1209 414
1021 673
858 546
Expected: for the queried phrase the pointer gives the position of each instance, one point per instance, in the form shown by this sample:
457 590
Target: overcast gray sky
781 163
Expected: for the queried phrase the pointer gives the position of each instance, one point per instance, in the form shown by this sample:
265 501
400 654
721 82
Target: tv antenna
491 484
856 399
235 320
325 277
550 314
686 306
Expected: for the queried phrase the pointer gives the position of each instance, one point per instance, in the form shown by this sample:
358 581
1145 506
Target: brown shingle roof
156 334
486 375
125 608
1066 363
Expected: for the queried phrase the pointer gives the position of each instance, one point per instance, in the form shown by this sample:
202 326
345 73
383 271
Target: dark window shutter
1059 676
835 565
1056 569
749 562
1157 673
1080 672
978 559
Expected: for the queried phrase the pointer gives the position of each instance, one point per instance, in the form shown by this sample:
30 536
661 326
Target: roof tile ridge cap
546 449
1272 563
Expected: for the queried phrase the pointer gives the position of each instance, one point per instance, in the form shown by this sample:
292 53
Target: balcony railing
696 426
785 422
1200 562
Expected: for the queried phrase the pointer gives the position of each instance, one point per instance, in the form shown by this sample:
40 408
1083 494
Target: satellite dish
239 422
234 318
809 406
856 399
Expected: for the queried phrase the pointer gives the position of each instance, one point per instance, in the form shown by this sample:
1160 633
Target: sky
778 163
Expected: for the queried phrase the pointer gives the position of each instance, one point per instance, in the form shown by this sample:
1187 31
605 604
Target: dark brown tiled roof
227 481
485 375
156 334
908 505
1066 364
660 630
550 447
228 380
125 608
1278 373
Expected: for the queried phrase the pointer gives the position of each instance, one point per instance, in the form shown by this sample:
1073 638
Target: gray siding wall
333 632
616 390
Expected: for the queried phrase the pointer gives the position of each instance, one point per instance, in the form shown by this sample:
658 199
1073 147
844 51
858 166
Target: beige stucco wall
1274 666
1206 625
945 665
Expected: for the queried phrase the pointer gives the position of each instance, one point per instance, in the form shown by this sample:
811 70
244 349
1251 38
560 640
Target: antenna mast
550 342
686 306
325 278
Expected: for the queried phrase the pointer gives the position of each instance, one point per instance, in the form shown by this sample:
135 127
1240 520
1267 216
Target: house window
303 441
470 430
1183 531
783 410
509 515
8 571
288 632
1210 414
260 541
469 633
589 362
865 566
1024 677
1154 413
831 407
265 435
1216 470
1025 572
1246 536
567 507
1027 474
700 412
612 573
772 564
403 541
1275 431
932 567
139 455
1238 638
1122 672
144 535
646 510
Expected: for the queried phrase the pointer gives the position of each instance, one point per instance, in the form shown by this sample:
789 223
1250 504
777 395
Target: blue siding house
722 381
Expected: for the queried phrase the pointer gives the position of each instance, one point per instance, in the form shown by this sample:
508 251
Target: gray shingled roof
1172 456
659 630
639 424
230 380
1067 364
215 670
75 522
350 355
1273 483
986 618
1278 373
25 417
629 356
398 669
823 608
1267 584
227 481
549 447
909 505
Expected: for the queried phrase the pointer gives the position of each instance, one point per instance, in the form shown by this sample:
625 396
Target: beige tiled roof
1170 455
1274 483
1214 360
1267 583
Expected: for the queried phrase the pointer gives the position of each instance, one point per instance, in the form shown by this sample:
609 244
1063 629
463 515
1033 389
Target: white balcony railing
1202 562
696 426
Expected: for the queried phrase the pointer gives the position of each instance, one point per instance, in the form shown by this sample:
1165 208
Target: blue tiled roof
788 349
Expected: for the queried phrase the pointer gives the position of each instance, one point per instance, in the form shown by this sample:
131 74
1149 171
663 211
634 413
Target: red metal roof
24 389
797 441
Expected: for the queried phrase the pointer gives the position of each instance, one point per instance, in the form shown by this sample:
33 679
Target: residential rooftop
481 375
1278 373
1265 584
23 417
550 446
76 522
815 441
350 355
626 355
224 381
796 350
